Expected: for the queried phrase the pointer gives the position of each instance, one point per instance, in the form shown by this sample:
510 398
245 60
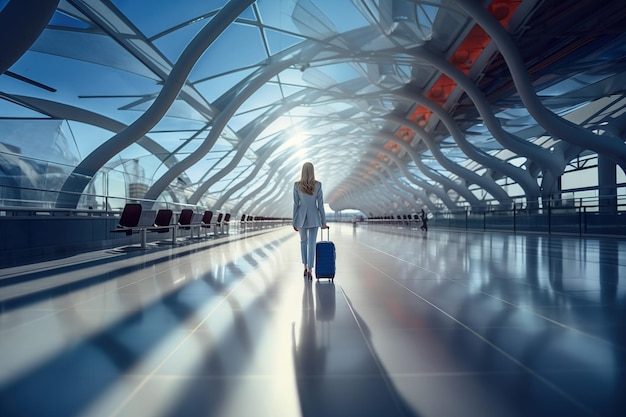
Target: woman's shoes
307 273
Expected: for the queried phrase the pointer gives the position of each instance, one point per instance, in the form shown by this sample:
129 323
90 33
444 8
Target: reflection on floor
438 324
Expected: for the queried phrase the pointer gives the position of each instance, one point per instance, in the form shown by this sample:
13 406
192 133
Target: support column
556 193
607 185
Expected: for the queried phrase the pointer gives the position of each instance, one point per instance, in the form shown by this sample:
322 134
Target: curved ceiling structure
400 104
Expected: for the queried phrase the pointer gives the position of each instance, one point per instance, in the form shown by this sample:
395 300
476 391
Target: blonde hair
307 179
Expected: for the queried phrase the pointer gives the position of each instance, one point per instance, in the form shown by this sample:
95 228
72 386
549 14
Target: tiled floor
445 324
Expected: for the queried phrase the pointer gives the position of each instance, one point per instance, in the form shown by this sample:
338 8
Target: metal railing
43 202
94 205
604 215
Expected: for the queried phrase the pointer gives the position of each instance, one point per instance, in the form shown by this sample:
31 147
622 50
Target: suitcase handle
322 234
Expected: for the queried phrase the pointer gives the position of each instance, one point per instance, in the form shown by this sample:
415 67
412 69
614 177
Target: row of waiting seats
259 222
134 219
399 220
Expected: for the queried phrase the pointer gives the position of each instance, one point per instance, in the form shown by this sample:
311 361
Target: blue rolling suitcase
325 258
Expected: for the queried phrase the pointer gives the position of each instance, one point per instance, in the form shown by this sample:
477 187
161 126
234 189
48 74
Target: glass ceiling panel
238 46
88 137
173 124
279 125
64 20
258 145
180 109
214 87
484 142
221 186
237 195
417 173
102 50
172 44
289 90
152 167
277 14
279 41
222 145
236 175
340 72
99 89
293 76
343 14
153 17
145 167
573 84
240 120
45 140
9 109
175 141
311 21
198 173
266 94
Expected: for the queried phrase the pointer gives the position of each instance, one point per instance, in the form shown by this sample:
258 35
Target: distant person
424 219
308 214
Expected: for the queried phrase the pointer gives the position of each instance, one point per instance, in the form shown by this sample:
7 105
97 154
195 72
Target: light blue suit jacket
308 210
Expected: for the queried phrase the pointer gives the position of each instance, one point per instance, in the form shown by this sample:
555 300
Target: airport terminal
450 174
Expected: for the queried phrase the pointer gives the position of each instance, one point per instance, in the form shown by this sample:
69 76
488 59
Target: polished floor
442 324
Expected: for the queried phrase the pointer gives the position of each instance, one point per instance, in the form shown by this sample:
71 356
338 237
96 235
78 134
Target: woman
308 214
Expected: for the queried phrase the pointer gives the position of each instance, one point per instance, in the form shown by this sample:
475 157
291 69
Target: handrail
581 220
100 203
88 202
107 206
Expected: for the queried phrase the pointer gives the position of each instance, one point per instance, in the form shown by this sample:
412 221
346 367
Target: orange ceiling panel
441 90
421 115
463 58
392 147
503 10
477 39
470 49
405 133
